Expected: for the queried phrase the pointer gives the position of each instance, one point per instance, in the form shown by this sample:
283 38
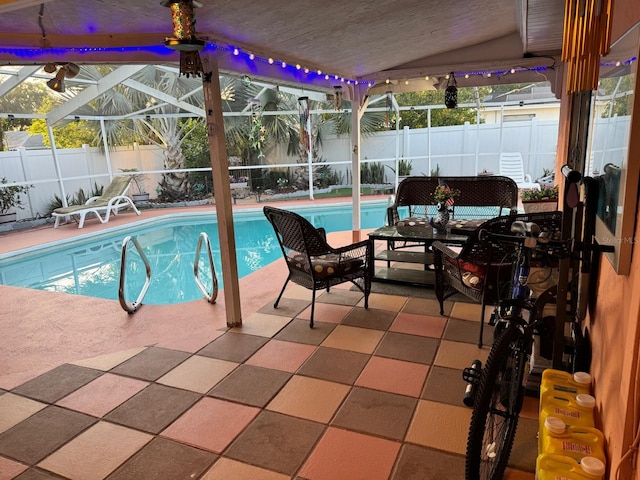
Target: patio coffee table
417 252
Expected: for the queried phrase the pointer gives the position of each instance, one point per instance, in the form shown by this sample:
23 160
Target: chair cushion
473 275
413 222
326 265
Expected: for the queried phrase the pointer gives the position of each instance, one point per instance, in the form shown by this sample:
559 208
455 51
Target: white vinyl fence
456 151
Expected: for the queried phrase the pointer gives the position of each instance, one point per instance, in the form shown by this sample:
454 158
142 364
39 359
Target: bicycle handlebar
572 176
558 248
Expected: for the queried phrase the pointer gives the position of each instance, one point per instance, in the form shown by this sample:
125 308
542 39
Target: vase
441 220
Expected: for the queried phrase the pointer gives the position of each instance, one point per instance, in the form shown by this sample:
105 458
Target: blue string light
296 70
619 63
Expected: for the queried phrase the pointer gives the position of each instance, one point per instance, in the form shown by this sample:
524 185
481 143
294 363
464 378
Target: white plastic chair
512 166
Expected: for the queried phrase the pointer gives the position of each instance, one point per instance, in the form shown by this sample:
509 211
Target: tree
71 135
620 102
68 134
439 117
165 128
25 98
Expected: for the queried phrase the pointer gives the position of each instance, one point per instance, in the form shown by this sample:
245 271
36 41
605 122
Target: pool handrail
211 297
123 263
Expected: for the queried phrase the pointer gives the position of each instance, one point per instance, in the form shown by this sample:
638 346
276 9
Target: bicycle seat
528 229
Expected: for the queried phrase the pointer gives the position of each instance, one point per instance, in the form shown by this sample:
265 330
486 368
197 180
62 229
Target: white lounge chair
511 166
111 201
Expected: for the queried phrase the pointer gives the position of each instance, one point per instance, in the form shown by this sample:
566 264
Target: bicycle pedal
493 319
472 374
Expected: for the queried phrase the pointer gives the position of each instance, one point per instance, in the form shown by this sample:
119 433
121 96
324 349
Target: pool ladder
133 307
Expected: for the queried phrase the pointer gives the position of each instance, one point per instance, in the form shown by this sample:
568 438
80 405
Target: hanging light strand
312 75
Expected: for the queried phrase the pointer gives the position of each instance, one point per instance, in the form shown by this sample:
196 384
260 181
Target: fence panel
456 150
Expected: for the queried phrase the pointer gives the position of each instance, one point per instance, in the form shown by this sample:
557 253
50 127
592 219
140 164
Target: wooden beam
357 109
221 188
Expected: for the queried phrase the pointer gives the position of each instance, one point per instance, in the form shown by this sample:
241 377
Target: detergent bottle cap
582 377
592 466
555 425
585 400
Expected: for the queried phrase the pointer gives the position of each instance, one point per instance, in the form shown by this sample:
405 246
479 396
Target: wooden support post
222 190
357 109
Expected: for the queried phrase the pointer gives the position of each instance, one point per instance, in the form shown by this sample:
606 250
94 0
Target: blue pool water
90 265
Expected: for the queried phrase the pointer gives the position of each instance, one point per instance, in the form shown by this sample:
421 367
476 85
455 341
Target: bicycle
500 386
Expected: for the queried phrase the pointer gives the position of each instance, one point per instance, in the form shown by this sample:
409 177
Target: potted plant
10 198
543 200
140 194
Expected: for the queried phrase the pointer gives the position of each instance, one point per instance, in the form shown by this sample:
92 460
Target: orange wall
614 322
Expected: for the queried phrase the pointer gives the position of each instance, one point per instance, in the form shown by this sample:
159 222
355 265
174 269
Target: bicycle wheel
497 407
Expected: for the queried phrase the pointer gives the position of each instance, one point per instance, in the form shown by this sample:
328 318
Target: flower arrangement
443 194
545 193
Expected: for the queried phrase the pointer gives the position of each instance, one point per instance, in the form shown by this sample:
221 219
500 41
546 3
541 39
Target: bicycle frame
501 387
519 300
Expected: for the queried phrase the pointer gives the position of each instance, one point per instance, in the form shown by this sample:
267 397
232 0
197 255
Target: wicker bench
480 197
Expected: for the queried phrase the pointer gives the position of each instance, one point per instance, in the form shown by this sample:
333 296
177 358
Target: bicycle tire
495 416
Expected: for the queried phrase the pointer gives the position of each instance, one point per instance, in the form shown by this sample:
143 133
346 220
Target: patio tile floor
365 395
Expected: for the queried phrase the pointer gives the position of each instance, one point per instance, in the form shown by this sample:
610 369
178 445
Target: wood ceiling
401 41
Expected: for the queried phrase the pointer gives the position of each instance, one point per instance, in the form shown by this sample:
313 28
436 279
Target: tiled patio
88 392
369 395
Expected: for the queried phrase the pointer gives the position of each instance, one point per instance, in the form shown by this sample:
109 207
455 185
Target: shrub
10 196
545 193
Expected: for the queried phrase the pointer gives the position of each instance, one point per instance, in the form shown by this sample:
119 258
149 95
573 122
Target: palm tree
165 128
164 123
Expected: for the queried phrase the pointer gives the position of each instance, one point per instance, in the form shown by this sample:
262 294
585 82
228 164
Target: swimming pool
90 266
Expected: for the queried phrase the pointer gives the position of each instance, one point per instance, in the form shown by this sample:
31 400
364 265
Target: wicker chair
482 270
315 265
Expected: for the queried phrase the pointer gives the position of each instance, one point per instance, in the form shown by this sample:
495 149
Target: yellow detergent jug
561 381
550 466
572 441
572 409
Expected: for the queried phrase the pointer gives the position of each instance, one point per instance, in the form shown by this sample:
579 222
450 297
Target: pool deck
83 327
